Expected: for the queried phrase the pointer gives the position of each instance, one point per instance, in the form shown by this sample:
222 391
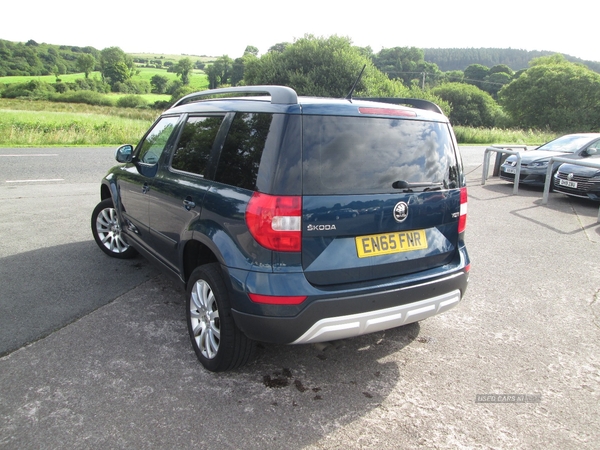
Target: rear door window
360 155
195 145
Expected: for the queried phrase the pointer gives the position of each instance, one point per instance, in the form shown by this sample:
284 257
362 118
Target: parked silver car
580 181
534 163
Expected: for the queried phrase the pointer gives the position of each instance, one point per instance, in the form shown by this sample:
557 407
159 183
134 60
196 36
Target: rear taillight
274 221
462 220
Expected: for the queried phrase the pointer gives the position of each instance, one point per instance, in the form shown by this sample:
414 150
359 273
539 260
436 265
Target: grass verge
28 123
487 136
42 124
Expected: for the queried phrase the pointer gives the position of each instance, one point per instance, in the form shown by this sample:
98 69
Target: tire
219 344
107 231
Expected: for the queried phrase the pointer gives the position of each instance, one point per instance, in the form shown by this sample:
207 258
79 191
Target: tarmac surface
515 365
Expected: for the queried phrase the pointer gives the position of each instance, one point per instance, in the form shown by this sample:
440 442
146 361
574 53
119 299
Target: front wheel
219 344
107 231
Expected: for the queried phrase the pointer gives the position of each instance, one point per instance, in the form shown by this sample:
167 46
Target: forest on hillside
35 59
460 58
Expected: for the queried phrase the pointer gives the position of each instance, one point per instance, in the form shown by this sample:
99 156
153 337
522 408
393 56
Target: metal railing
549 177
503 149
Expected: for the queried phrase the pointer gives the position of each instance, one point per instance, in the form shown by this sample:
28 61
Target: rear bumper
342 327
339 318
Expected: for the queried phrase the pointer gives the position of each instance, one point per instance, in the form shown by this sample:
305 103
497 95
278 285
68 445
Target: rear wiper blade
401 184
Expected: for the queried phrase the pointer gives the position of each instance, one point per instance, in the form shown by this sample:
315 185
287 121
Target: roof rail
281 95
415 102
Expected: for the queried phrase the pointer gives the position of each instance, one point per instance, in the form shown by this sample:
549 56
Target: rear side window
195 144
360 155
243 149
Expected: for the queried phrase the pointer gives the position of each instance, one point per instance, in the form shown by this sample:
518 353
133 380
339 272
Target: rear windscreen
362 155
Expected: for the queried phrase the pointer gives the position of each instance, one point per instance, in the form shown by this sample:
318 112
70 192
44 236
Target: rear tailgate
348 239
381 197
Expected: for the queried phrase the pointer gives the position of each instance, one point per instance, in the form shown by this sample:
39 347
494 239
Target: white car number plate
567 183
510 169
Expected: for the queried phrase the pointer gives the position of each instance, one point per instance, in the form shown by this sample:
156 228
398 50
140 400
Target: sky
216 28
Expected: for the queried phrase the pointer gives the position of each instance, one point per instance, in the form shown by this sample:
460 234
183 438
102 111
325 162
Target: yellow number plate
388 243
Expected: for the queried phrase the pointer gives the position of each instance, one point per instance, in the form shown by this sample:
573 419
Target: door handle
188 203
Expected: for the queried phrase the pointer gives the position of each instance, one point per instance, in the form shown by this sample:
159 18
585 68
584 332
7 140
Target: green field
69 78
171 57
198 79
41 124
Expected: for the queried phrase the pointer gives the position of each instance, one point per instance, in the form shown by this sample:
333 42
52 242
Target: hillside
459 58
33 59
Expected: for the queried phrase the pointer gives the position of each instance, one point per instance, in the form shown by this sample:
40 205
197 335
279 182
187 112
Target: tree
475 73
496 81
238 67
86 63
32 89
219 72
159 84
5 52
279 47
323 67
59 69
556 94
184 68
548 60
366 51
28 55
252 50
453 76
405 63
470 105
115 66
237 71
501 68
35 59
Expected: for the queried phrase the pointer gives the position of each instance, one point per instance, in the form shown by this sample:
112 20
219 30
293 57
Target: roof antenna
349 96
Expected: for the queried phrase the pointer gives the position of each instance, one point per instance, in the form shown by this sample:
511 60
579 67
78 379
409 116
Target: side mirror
591 151
124 153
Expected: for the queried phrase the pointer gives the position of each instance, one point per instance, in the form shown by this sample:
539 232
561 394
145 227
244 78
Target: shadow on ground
44 289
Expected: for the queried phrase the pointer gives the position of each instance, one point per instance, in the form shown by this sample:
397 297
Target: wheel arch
105 192
195 254
109 189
